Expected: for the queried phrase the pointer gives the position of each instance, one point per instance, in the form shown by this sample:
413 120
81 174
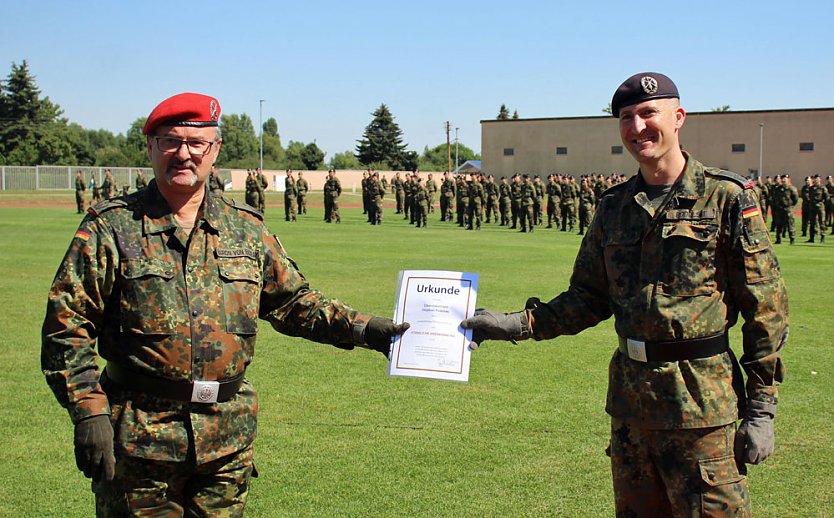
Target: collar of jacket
157 216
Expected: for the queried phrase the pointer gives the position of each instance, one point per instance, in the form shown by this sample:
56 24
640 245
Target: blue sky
324 66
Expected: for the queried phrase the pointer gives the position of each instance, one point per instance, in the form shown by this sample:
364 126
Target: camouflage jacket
447 188
302 186
477 193
178 308
80 185
685 272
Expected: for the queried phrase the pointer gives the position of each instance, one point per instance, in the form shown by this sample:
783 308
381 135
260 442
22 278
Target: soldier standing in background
420 197
805 205
491 205
817 198
554 201
398 189
141 182
167 427
587 200
290 198
332 190
675 389
538 198
764 197
462 201
80 187
252 195
447 197
366 193
525 210
515 200
377 194
504 201
476 200
431 192
408 198
303 187
95 189
829 207
215 183
108 186
789 201
262 184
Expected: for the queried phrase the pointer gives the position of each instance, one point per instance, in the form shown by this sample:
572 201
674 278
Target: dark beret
186 109
642 87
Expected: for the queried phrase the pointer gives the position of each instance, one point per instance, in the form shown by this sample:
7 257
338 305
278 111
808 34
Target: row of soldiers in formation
780 197
470 200
107 189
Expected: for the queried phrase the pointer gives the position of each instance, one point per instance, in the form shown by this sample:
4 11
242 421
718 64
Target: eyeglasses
196 147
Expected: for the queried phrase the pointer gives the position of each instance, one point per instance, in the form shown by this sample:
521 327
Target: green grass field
525 437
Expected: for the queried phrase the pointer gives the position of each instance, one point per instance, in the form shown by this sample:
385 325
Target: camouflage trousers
676 473
149 488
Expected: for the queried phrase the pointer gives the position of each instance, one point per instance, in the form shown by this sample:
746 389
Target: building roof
470 166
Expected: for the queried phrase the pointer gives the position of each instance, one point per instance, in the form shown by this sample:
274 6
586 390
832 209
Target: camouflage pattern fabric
147 488
302 186
80 187
290 200
554 204
684 272
447 199
525 210
142 182
689 472
476 199
179 307
587 201
504 203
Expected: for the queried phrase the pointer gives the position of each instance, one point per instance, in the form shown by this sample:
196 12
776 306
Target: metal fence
62 177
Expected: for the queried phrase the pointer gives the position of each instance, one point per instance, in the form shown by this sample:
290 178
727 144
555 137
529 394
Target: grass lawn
525 437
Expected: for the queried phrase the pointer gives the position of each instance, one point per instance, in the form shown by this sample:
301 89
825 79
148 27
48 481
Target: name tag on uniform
636 349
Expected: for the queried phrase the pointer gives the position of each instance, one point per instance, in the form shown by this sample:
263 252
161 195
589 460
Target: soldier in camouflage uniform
515 199
420 208
377 194
447 197
399 192
504 201
303 187
538 198
569 194
785 203
166 285
290 198
332 191
476 202
80 187
491 205
817 199
587 201
252 194
525 210
108 185
262 185
141 182
675 254
431 191
215 183
462 201
829 207
554 202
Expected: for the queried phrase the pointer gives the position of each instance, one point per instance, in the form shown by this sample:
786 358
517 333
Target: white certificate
435 346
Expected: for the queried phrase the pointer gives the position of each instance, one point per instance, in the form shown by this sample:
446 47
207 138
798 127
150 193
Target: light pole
261 126
761 147
456 149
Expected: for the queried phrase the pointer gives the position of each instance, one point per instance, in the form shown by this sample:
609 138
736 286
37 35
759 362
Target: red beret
642 87
186 109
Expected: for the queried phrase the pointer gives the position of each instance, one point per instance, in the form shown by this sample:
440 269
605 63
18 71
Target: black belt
194 392
674 350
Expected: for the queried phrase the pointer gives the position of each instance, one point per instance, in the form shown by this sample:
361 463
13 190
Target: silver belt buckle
636 349
205 392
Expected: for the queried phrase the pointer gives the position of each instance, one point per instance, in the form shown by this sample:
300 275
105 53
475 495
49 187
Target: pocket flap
239 269
720 471
136 268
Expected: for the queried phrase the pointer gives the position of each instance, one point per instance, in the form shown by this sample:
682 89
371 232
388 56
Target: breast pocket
149 297
241 278
622 263
688 259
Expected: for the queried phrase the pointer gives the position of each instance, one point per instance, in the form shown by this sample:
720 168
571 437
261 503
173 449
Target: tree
135 145
312 156
270 127
32 130
410 161
382 142
295 152
503 113
724 108
515 114
608 109
345 160
434 159
240 144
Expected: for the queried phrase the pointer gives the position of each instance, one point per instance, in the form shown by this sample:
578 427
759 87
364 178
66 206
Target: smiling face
179 171
649 129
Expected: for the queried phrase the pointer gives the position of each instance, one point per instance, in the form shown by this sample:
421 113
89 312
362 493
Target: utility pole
448 148
261 126
761 147
456 148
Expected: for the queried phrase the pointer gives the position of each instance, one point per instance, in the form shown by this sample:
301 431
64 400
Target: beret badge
213 110
649 84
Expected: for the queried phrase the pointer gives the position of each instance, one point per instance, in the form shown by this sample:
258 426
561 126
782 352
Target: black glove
380 331
754 437
94 447
488 325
